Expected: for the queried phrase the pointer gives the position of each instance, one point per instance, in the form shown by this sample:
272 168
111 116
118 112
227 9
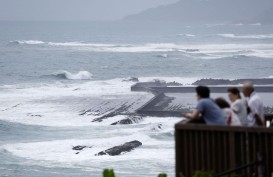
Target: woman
238 105
231 117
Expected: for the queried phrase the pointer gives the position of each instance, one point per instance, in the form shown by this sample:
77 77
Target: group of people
241 112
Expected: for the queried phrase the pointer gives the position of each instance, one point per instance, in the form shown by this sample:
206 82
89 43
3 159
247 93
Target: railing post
232 149
260 165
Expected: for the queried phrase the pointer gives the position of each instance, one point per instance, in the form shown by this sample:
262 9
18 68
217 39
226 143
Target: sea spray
81 75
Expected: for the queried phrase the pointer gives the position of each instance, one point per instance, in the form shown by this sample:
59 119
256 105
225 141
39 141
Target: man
206 109
256 115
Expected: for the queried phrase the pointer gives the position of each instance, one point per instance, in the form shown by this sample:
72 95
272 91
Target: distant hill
204 11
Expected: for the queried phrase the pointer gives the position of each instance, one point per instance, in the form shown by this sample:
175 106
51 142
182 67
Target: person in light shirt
238 106
256 115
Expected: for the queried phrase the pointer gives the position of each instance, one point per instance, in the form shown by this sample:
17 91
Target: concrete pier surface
162 99
172 99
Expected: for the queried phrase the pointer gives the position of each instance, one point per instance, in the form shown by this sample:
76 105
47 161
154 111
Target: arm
194 115
259 120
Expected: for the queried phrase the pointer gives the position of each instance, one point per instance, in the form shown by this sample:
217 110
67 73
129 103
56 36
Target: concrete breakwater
168 99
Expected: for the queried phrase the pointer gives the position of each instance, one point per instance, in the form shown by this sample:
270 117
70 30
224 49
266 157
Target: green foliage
203 174
108 173
162 175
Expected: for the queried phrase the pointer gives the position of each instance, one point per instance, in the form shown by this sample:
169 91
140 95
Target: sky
73 10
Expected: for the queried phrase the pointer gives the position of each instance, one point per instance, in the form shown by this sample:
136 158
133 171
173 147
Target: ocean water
52 72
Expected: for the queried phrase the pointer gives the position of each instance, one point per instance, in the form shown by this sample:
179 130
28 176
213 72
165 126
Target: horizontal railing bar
236 169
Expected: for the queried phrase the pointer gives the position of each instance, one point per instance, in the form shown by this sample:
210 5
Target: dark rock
78 148
192 50
34 115
157 127
117 150
76 89
174 84
129 120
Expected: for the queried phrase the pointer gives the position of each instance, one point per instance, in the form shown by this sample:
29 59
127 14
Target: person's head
222 103
233 94
247 89
202 92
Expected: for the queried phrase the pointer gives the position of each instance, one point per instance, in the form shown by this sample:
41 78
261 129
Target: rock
129 120
117 150
78 148
174 84
157 127
132 79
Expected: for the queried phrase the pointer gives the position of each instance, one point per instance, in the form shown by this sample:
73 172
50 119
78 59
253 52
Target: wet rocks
117 150
80 148
129 120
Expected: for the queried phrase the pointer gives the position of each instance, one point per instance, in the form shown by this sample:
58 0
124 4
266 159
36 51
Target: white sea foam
60 104
256 24
186 35
258 36
197 51
81 75
181 80
29 42
104 138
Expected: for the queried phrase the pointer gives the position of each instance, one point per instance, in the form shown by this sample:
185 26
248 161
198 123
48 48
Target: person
206 109
256 115
231 117
238 106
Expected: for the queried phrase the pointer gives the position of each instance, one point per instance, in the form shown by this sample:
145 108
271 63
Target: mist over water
53 72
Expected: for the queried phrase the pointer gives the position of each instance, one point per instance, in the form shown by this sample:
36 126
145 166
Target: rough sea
52 72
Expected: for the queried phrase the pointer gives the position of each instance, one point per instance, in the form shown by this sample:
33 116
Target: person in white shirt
238 106
256 115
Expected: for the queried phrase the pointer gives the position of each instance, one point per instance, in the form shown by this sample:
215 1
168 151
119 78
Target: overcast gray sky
73 10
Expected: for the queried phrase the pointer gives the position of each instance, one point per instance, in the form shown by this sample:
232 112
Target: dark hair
202 91
234 91
222 103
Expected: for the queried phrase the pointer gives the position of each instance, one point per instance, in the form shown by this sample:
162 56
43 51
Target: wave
29 42
186 35
196 51
82 75
258 36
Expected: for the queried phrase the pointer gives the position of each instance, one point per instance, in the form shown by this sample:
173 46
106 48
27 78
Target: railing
223 149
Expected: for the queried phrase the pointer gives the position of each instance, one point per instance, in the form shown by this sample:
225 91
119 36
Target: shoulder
238 102
255 99
205 101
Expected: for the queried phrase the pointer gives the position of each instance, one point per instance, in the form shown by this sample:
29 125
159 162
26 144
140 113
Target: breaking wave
29 42
186 35
82 75
259 36
196 51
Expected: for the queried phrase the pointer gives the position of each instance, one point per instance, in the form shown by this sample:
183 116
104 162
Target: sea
52 72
